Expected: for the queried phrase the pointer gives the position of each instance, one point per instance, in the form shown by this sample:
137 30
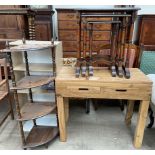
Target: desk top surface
67 74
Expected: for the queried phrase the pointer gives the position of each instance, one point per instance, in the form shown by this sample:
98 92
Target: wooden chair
4 90
147 65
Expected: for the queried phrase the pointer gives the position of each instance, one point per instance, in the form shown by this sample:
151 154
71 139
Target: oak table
103 85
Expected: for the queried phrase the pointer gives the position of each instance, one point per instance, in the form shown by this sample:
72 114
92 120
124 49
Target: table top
67 74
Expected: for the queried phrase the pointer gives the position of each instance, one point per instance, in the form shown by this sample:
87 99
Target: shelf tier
32 111
36 91
27 47
36 67
40 135
32 81
32 42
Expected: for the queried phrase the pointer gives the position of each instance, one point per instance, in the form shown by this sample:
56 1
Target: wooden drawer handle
121 90
84 89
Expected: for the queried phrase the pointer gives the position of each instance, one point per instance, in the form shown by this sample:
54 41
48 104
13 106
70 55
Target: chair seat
152 78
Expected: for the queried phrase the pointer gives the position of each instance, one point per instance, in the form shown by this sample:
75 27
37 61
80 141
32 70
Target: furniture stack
118 22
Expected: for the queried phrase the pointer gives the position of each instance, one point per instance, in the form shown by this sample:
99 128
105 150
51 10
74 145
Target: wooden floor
99 130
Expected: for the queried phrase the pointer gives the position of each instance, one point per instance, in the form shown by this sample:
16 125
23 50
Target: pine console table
103 85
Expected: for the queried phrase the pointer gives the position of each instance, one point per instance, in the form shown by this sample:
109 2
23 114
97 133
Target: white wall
146 9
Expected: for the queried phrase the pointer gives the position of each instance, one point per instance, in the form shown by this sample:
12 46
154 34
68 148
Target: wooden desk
103 85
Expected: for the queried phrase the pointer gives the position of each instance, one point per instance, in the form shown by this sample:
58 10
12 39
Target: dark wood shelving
27 25
32 111
40 135
32 82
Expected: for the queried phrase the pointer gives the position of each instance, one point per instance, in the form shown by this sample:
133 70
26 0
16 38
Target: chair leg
151 119
87 106
10 100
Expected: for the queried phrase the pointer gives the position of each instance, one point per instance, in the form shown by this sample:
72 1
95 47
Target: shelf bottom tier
40 135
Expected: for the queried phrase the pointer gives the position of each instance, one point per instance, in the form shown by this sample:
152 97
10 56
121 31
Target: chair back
147 61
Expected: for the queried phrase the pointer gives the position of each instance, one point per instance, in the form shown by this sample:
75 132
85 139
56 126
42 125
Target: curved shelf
40 135
32 81
32 111
35 67
36 91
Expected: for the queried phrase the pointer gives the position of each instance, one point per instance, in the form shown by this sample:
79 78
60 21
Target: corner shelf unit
39 62
26 81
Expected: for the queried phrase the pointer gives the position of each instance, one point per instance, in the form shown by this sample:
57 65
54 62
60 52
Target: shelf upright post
28 74
31 27
15 93
54 73
53 57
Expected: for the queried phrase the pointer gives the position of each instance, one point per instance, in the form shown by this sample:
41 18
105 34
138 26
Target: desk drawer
104 90
83 89
126 92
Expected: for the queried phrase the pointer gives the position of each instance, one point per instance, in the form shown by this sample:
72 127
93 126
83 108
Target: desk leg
143 111
129 112
61 118
66 101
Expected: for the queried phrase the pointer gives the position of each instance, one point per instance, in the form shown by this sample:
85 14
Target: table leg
129 112
66 101
143 111
61 118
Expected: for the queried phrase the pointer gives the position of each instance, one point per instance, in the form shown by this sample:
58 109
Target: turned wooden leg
143 111
129 112
61 118
66 102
